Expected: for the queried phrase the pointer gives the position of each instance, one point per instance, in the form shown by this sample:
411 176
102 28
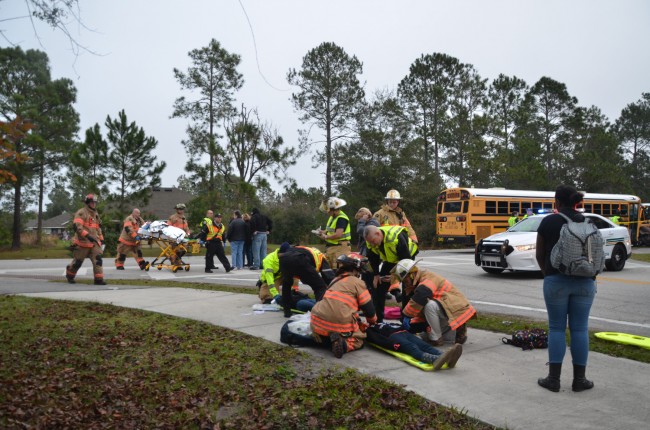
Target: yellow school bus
467 215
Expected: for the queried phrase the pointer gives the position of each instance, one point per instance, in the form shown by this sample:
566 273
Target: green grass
86 365
640 257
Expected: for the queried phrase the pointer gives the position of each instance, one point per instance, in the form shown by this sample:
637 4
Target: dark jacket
237 230
260 223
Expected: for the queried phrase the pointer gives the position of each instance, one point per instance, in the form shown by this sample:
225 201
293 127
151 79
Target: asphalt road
622 303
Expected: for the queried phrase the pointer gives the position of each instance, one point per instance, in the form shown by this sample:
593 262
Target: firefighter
337 231
308 264
87 242
386 246
335 318
434 306
212 231
129 241
390 214
178 220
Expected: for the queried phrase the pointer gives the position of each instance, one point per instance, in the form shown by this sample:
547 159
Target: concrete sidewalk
493 382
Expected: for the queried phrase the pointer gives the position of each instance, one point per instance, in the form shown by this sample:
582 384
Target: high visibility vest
331 228
316 254
390 241
512 220
616 219
212 231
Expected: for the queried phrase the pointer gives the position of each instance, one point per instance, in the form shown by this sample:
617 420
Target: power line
255 46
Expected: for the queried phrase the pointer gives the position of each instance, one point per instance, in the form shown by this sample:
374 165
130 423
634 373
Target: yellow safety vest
318 256
331 228
212 231
389 251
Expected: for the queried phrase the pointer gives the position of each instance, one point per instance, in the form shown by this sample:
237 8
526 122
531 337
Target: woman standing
565 296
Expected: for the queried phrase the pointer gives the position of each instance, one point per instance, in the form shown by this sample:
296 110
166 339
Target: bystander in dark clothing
237 237
261 226
248 243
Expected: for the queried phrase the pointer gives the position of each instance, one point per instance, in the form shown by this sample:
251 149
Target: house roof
59 221
162 201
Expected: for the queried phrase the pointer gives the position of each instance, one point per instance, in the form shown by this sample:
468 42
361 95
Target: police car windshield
530 224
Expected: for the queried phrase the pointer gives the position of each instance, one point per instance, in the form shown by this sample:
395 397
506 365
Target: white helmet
332 203
393 195
403 268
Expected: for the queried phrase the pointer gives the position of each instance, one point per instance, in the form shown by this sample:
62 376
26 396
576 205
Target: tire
617 262
492 270
187 268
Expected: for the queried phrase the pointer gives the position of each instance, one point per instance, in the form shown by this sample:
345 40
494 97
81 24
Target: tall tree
329 94
597 150
507 104
467 127
633 129
425 94
553 105
131 162
212 79
27 91
88 164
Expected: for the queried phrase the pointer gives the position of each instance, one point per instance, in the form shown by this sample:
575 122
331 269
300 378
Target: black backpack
528 339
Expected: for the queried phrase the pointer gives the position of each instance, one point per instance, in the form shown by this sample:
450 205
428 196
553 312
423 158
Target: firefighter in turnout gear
178 220
433 304
87 242
129 241
337 231
390 214
335 318
386 246
308 264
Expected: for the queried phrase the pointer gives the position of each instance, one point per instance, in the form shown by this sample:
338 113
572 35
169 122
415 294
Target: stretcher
172 243
408 359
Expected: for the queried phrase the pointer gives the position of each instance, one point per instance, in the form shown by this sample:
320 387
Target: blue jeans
237 253
259 249
568 297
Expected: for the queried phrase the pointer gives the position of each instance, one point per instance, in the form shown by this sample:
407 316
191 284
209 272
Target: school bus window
607 210
439 207
588 207
503 207
597 209
514 206
548 205
525 205
537 205
452 207
465 206
624 211
490 207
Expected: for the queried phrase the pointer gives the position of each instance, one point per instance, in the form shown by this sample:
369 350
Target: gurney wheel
147 267
187 268
159 267
174 269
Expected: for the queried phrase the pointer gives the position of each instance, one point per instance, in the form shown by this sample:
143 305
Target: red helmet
91 198
353 260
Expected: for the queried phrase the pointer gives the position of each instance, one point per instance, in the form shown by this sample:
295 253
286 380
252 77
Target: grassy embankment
86 365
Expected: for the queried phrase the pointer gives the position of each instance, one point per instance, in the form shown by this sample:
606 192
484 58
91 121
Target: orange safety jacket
86 222
316 254
130 230
337 311
431 286
175 220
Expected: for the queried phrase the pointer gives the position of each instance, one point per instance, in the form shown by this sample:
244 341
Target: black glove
398 295
91 239
287 312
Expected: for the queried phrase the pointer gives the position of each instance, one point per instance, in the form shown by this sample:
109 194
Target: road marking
526 308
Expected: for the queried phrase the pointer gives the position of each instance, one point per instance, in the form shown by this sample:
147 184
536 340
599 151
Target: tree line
441 124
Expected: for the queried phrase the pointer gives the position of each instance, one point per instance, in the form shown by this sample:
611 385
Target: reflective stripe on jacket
388 252
338 310
86 222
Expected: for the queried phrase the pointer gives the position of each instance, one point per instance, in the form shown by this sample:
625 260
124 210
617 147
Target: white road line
526 308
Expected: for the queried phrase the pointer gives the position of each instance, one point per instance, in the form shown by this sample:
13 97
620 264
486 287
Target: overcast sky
599 49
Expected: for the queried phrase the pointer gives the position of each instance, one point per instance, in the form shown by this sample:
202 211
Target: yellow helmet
393 195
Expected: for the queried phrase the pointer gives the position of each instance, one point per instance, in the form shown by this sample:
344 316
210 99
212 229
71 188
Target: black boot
580 383
552 381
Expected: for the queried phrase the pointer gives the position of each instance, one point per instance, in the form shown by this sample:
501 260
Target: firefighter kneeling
335 318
